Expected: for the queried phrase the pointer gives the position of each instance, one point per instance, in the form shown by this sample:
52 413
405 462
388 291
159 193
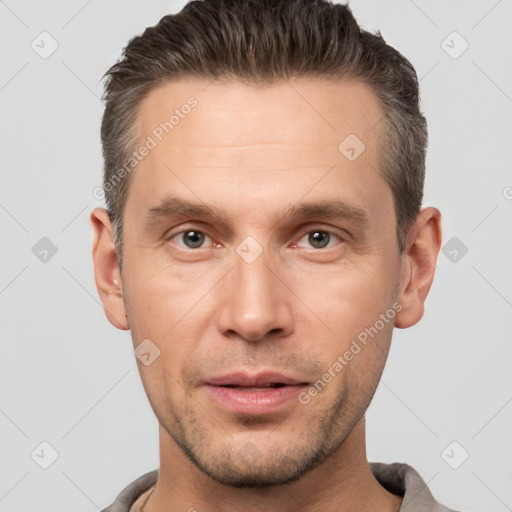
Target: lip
254 401
262 379
263 400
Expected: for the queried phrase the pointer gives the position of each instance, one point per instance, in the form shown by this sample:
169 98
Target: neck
344 482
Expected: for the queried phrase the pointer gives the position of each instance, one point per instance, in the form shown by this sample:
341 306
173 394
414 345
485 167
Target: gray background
69 378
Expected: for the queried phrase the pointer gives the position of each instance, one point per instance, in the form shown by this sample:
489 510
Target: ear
106 269
418 266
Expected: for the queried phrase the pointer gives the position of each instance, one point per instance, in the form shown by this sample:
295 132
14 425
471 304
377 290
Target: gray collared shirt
397 478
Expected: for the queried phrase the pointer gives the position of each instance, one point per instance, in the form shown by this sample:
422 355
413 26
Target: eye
319 239
191 239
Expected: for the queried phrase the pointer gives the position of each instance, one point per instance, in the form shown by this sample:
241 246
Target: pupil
319 239
193 239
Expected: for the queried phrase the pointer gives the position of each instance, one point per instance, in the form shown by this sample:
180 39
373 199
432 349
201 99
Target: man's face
214 305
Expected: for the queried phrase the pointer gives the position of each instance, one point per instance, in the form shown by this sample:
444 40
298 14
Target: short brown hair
265 42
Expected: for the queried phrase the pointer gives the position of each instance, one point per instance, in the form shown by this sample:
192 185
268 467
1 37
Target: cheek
160 295
173 310
347 298
344 317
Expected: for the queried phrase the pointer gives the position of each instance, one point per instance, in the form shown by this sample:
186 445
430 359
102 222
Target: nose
256 302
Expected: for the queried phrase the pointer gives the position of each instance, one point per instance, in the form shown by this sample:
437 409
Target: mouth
251 388
266 379
252 401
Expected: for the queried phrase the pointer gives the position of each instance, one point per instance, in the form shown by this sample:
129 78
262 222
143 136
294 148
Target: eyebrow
174 207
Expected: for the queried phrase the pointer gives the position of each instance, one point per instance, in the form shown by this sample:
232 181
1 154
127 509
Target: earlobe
418 266
106 269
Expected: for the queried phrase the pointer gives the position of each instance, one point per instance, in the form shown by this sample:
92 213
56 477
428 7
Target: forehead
299 111
258 142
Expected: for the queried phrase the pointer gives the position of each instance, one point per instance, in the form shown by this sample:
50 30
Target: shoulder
403 480
127 497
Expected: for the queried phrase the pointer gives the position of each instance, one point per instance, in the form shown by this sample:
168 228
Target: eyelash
331 233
